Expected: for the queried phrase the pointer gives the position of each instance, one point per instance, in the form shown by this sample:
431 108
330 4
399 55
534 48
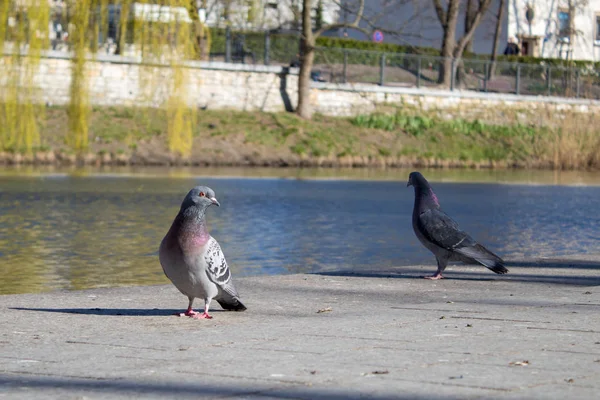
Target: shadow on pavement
134 312
556 263
195 390
518 272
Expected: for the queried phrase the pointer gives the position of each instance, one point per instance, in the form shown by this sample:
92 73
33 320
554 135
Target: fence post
549 78
267 47
518 80
227 44
578 73
452 74
486 76
418 71
345 70
382 70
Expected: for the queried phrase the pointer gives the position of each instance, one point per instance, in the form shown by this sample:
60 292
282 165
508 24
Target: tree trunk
307 57
448 44
470 13
304 108
451 49
497 32
469 18
445 73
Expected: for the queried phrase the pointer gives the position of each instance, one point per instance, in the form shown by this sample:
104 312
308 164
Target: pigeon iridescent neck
194 233
425 198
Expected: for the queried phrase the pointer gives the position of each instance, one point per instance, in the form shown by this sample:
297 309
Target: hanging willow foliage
26 36
164 33
78 108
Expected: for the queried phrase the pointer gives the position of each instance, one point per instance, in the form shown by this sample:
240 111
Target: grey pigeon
442 235
193 260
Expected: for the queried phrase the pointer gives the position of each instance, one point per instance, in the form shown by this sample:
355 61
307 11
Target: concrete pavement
532 334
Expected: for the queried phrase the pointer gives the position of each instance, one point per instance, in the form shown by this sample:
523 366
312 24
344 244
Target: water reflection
76 232
519 176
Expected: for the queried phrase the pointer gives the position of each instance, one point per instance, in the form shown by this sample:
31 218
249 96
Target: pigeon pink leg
205 314
189 312
441 267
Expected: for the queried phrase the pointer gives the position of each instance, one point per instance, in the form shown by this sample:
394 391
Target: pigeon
193 260
441 234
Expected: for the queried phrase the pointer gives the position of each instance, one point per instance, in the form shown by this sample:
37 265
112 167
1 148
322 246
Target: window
597 32
564 25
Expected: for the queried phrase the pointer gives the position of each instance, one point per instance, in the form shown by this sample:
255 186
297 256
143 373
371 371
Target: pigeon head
423 192
417 180
200 197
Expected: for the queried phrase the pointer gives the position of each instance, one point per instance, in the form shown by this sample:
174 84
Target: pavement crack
437 310
355 337
29 359
563 330
250 378
95 378
115 345
458 385
501 319
287 351
571 352
428 351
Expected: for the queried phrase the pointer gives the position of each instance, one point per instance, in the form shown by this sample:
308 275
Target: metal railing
413 70
342 65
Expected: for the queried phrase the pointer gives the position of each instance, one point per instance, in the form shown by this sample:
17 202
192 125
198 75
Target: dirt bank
402 138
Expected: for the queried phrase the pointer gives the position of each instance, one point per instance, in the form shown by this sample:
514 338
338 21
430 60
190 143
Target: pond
86 229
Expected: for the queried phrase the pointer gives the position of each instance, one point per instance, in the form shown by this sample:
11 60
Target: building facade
542 28
264 14
568 29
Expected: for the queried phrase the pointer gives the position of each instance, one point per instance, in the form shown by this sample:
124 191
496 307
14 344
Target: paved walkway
534 333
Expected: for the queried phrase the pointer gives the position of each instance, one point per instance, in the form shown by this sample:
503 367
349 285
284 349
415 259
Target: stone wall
115 81
350 100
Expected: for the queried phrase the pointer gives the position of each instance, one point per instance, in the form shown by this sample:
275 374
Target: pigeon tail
484 257
231 304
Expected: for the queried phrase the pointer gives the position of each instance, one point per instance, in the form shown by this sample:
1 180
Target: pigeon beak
214 201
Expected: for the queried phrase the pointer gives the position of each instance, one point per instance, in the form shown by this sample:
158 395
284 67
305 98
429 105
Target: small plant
299 148
384 152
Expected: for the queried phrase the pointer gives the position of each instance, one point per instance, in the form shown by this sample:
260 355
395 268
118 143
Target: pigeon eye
201 194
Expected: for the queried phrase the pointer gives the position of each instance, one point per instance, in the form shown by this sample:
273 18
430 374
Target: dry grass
574 142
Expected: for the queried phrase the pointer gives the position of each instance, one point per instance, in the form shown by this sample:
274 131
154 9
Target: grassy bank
398 137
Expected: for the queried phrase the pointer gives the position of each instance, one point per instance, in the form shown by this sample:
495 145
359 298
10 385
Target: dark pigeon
442 235
193 260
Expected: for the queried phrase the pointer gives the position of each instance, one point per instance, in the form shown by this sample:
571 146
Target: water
75 232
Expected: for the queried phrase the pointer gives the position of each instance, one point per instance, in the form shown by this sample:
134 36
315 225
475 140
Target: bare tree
574 6
497 32
469 16
307 51
451 49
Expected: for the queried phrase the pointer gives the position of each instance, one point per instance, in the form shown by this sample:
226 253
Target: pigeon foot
188 313
434 277
204 315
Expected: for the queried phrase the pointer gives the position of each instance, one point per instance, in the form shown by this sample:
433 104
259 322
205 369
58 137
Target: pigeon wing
443 231
218 272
